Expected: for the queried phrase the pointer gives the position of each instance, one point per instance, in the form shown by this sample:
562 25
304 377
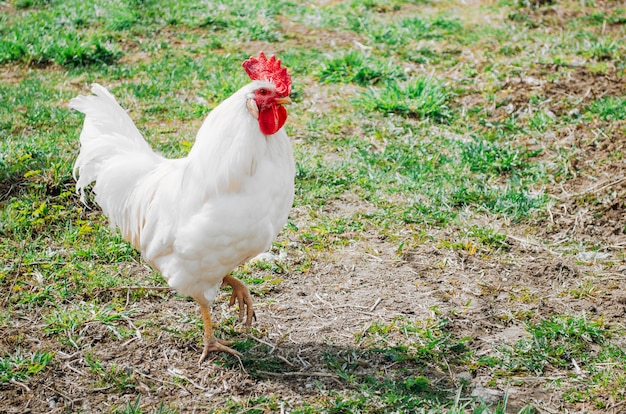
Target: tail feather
112 153
105 115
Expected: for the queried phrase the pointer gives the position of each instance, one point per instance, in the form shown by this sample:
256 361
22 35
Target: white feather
196 218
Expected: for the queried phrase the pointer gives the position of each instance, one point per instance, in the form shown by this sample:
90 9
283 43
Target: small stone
488 395
574 113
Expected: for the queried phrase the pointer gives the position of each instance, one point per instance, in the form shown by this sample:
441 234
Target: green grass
610 108
424 98
136 408
572 343
22 365
409 109
359 68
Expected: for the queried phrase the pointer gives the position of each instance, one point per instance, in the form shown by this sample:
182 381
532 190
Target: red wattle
273 119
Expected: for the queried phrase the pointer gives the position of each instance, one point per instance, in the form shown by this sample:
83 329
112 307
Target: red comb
262 68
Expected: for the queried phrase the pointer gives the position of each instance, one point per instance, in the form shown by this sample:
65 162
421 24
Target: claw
219 346
241 295
211 343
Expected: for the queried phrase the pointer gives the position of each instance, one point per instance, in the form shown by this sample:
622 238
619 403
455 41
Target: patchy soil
590 198
325 312
311 319
591 207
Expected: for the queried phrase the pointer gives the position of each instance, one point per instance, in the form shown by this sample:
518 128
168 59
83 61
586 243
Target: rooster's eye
263 91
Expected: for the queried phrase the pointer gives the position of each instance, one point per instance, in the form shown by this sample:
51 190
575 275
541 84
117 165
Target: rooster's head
266 102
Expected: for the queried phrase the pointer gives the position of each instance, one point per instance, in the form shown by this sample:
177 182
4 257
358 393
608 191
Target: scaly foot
217 345
241 294
211 343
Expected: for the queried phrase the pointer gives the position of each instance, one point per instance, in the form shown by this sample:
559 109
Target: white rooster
197 218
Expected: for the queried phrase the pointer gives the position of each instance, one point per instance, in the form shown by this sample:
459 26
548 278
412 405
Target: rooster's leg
242 295
211 343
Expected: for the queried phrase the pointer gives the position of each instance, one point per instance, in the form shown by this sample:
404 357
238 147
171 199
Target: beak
283 100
